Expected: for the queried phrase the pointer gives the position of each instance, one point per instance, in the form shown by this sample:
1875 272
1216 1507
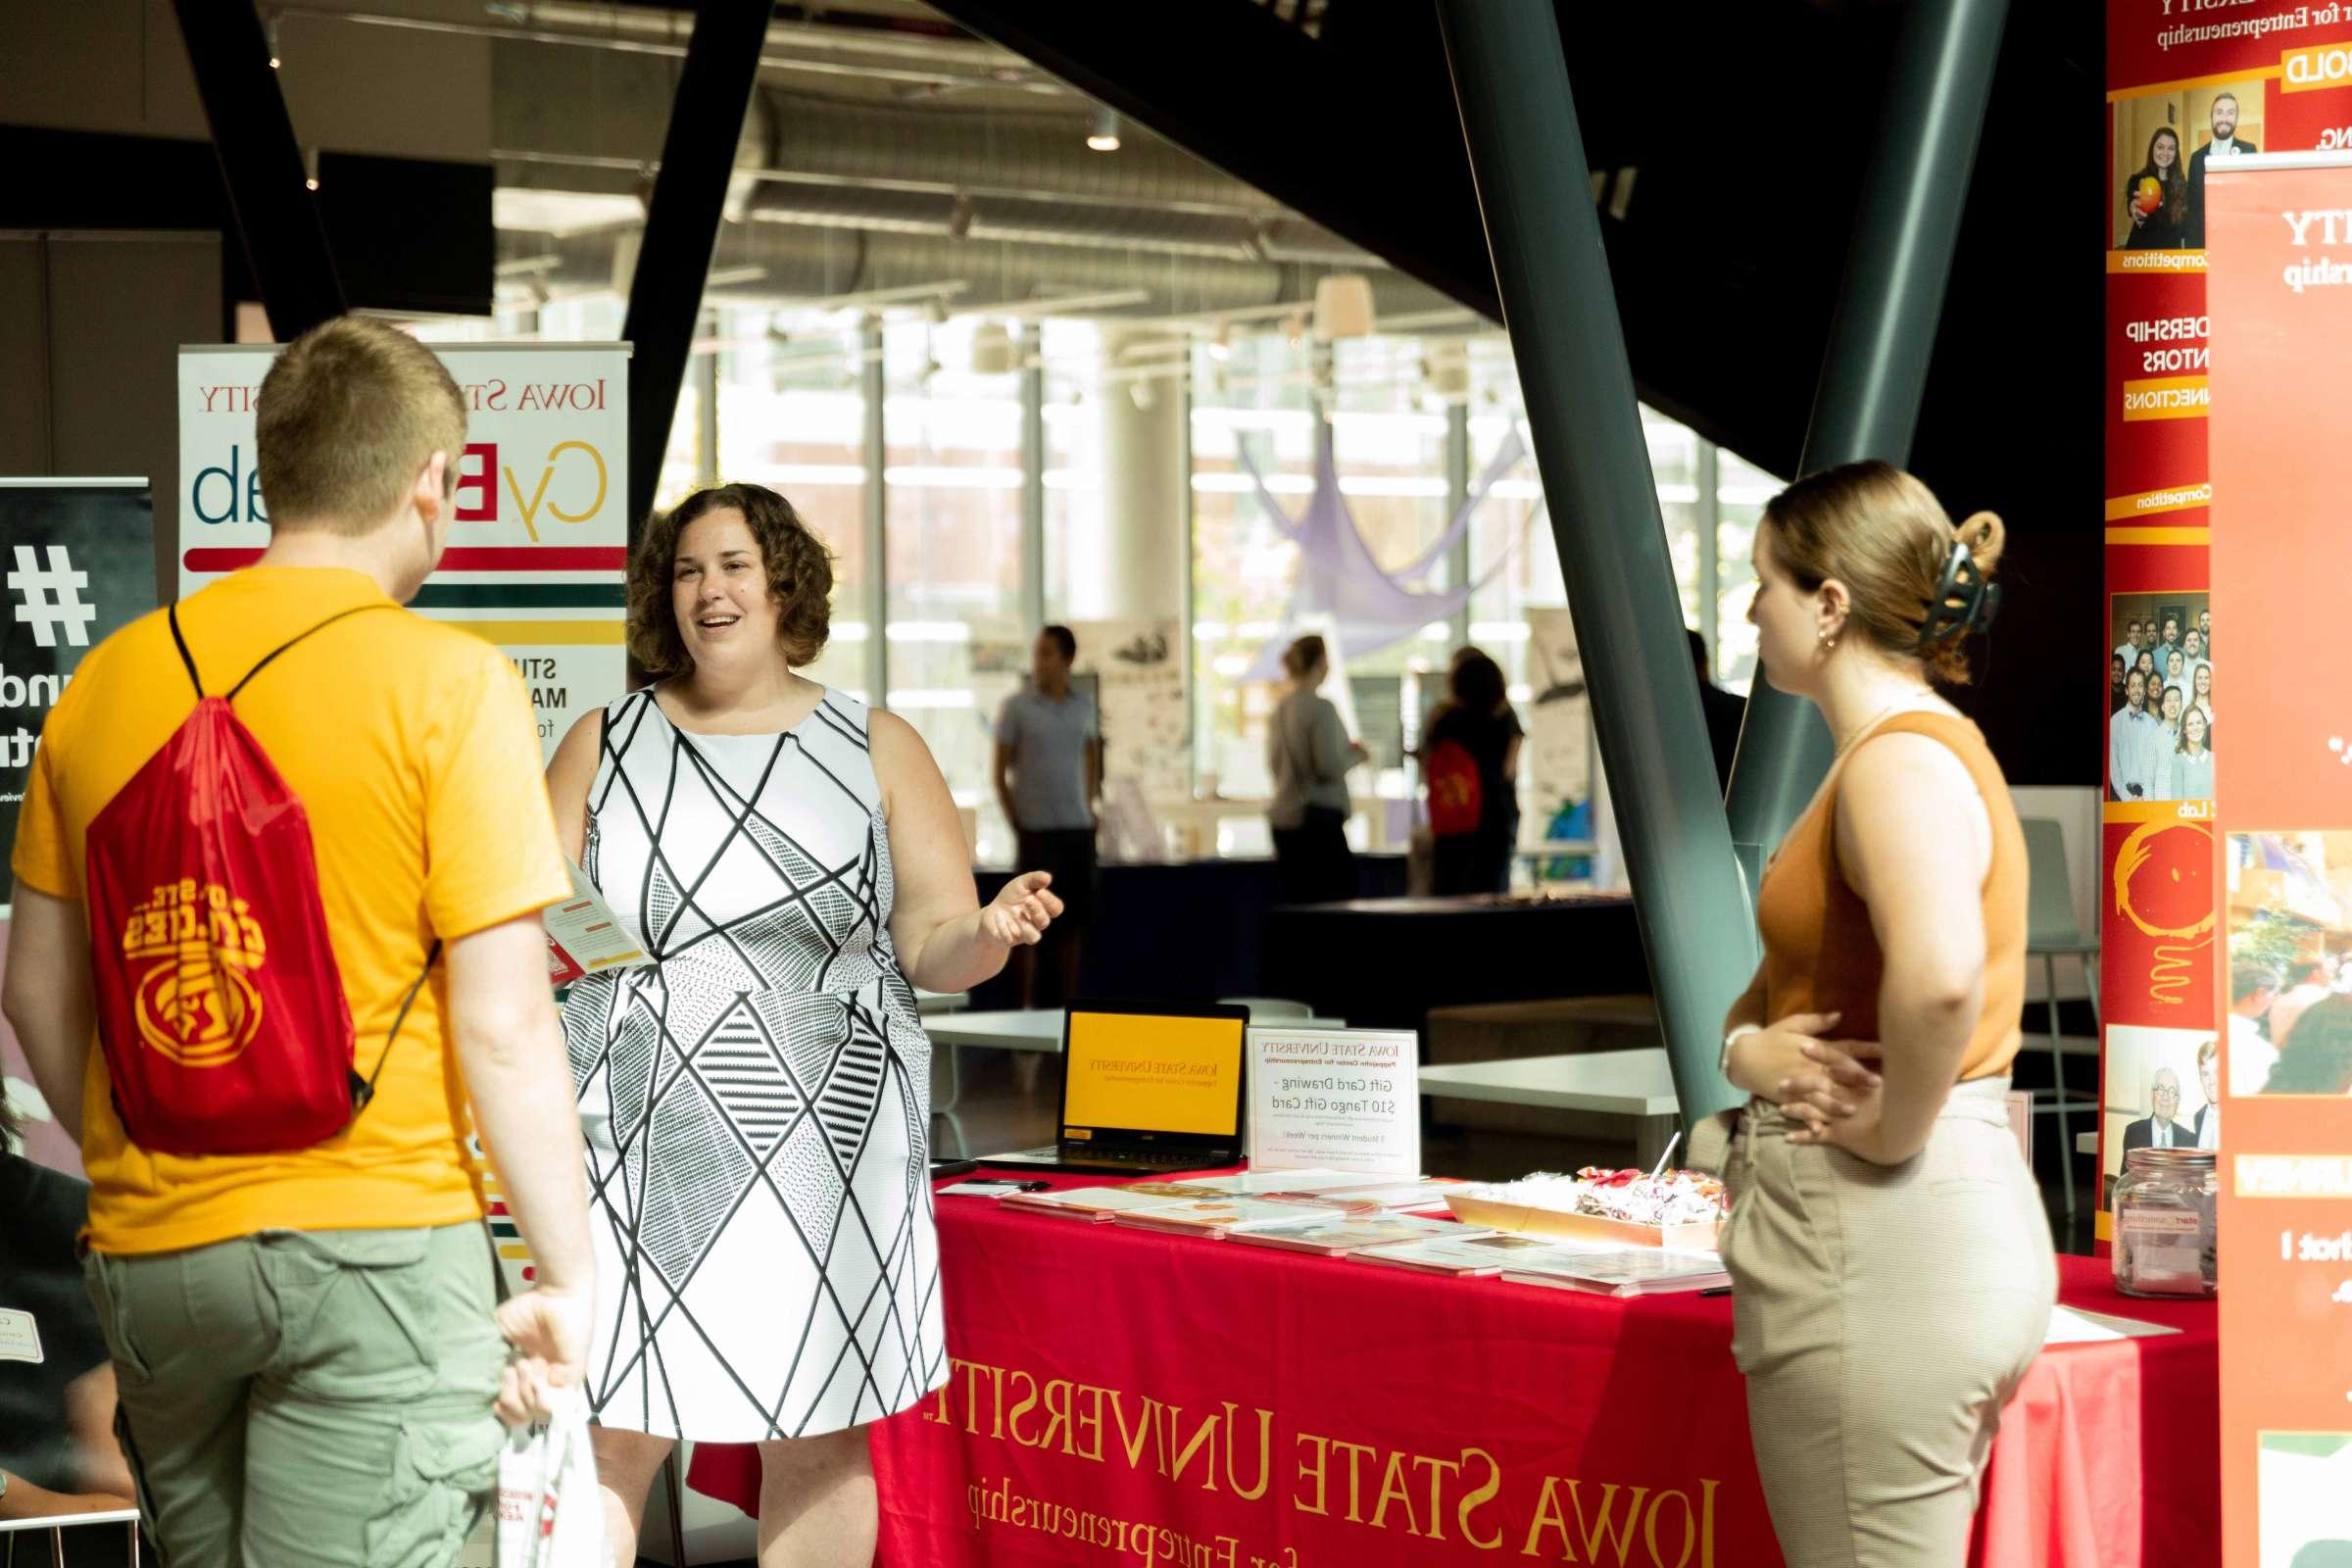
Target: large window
1072 352
1254 586
965 570
791 416
952 486
1740 491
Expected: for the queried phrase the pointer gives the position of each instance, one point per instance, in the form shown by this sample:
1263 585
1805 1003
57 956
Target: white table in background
1036 1029
1635 1084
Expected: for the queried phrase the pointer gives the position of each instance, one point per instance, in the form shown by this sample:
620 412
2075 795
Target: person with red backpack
280 869
1470 770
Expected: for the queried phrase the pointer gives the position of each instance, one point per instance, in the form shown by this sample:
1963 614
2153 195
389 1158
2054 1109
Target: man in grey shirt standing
1048 777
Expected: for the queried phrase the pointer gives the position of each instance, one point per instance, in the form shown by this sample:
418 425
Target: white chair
2052 933
1269 1010
57 1525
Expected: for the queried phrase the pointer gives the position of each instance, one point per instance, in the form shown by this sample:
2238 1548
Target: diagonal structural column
261 164
681 227
1535 195
1875 369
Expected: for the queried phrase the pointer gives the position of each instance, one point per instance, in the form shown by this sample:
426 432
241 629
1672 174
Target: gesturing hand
1019 916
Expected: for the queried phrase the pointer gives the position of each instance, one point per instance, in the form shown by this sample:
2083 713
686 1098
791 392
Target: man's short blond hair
346 418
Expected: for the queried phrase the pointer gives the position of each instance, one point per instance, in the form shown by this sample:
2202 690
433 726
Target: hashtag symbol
52 597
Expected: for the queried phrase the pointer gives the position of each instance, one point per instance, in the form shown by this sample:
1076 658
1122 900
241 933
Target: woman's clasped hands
1830 1089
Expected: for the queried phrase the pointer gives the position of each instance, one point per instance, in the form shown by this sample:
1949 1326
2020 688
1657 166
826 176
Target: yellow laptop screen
1172 1075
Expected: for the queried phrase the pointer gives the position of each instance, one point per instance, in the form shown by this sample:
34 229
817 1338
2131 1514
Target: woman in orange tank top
1890 1260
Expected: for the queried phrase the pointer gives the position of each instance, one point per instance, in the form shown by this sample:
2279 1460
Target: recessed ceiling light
1103 136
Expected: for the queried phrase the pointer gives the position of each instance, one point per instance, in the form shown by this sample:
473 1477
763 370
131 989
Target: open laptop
1147 1088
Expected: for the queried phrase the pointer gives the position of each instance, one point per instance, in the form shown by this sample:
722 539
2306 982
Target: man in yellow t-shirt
306 1343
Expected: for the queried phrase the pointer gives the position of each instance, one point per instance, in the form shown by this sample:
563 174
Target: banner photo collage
2281 305
2193 85
2226 995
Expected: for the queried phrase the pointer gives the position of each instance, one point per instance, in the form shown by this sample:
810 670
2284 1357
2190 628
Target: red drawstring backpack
220 1007
1456 794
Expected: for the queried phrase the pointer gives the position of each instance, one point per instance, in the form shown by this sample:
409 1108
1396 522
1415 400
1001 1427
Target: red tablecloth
1121 1396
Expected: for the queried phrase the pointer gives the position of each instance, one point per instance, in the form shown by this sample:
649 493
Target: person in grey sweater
1309 753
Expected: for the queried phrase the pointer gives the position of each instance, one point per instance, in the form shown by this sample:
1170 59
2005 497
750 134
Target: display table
1034 1030
1382 963
1125 1397
1037 1030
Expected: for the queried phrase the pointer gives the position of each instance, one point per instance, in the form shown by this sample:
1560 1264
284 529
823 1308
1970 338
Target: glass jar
2164 1227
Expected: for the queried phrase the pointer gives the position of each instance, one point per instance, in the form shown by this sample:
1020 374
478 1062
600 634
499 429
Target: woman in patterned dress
757 1100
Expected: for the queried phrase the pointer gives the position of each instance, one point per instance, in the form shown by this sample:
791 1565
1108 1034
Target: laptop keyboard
1137 1159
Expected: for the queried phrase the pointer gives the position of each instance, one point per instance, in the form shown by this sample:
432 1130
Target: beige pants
1884 1314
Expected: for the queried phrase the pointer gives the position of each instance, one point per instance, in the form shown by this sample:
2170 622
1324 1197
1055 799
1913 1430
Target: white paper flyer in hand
584 937
1336 1099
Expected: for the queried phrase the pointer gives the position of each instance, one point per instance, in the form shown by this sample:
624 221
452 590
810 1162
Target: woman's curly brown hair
800 577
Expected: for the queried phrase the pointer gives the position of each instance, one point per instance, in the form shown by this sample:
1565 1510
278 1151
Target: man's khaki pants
308 1397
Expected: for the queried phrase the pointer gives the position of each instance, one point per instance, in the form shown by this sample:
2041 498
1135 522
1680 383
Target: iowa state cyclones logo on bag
196 1003
220 1011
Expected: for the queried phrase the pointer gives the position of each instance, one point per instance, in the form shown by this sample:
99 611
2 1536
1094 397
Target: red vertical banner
2279 231
2194 87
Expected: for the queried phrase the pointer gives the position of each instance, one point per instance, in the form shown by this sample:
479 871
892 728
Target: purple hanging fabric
1504 459
1338 577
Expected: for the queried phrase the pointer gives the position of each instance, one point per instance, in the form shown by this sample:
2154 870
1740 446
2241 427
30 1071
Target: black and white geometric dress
757 1103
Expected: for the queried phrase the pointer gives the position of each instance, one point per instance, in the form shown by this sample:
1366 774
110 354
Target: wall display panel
78 567
79 564
2193 88
2281 298
952 486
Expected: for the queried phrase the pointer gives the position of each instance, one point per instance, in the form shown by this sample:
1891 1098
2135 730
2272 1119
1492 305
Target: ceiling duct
846 196
1043 222
989 152
800 263
576 122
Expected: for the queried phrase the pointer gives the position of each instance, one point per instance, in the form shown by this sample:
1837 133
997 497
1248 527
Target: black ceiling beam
1355 130
261 164
1364 140
681 227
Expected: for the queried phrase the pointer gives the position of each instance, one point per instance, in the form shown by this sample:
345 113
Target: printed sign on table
537 558
1335 1099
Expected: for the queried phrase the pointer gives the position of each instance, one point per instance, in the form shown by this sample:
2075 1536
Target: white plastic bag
549 1511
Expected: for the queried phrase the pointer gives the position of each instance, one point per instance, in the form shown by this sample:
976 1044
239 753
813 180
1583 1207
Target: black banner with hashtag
77 562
